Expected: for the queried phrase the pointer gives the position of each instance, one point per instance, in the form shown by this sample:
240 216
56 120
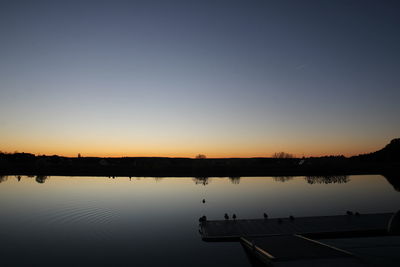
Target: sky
181 78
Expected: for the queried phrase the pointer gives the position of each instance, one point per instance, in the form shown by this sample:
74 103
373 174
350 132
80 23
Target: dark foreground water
94 221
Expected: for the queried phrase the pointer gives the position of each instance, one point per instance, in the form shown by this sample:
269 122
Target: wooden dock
223 230
294 250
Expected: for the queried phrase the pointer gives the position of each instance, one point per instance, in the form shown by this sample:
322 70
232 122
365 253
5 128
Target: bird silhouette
265 216
204 201
203 219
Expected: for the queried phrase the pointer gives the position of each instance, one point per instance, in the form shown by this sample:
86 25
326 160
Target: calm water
152 221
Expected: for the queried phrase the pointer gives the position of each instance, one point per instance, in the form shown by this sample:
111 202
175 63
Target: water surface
96 221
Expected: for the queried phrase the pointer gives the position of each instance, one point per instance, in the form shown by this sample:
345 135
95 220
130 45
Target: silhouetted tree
201 156
390 153
282 155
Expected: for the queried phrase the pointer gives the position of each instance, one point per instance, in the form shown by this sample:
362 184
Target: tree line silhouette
281 164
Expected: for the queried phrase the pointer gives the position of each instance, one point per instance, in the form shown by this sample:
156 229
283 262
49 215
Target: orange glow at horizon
95 149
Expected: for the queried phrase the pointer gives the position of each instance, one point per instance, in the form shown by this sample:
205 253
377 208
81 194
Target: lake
94 221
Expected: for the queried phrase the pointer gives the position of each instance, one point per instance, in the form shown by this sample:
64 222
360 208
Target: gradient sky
178 78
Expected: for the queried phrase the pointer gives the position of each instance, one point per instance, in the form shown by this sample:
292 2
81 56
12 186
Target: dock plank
228 229
293 250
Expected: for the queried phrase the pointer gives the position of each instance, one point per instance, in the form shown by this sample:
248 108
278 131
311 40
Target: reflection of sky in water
97 220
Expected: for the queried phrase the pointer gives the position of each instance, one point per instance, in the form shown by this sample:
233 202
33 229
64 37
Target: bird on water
203 219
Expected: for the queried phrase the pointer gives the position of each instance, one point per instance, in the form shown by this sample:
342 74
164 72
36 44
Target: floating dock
294 250
224 230
290 241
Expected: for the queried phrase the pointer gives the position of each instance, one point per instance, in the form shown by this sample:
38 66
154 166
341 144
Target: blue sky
177 78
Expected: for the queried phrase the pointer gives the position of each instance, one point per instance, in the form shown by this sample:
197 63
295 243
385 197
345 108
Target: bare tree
282 155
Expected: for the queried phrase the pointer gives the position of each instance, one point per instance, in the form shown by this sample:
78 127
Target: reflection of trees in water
3 178
394 180
201 180
158 179
330 179
41 178
283 178
235 179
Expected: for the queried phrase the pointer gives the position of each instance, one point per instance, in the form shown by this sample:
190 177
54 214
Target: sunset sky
179 78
